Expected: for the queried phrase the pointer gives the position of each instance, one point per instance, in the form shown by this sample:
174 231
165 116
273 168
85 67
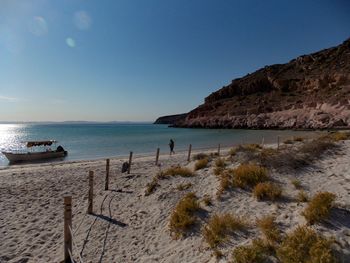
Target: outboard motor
60 149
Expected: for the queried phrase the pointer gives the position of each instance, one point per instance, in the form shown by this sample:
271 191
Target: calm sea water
92 141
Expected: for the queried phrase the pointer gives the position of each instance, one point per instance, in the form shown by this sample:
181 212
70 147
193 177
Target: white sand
31 205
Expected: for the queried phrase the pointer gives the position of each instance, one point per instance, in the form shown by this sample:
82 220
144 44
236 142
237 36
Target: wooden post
219 146
130 159
67 227
263 142
107 175
157 156
278 142
189 153
91 192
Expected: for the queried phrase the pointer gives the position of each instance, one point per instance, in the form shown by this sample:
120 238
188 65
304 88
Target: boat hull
33 156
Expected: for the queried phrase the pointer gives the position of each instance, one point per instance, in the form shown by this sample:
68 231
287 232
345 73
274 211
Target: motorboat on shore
31 155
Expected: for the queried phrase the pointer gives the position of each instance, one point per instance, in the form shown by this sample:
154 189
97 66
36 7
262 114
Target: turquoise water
92 141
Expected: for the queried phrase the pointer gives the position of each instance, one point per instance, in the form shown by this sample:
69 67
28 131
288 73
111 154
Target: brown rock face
312 91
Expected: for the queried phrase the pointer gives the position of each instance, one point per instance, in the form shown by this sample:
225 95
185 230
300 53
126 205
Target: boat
32 155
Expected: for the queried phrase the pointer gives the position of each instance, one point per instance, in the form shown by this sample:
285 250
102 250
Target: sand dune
128 226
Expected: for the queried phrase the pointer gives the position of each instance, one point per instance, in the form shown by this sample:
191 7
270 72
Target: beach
129 226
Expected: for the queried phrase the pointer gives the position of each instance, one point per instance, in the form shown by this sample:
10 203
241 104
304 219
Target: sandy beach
129 226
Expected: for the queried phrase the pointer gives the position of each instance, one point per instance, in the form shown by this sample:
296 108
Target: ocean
92 141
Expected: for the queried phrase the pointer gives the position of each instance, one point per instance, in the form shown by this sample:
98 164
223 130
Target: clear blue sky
139 59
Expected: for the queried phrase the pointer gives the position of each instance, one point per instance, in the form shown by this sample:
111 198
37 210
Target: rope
74 245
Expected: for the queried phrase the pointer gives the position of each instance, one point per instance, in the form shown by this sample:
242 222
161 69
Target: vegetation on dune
219 162
249 175
178 170
304 245
298 139
200 156
207 200
257 252
151 187
220 227
267 191
319 207
200 164
183 217
269 228
296 183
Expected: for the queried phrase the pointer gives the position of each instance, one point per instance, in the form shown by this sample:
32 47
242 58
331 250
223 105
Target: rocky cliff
311 91
170 119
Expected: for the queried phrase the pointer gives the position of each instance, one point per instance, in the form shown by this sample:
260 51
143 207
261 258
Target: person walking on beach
171 145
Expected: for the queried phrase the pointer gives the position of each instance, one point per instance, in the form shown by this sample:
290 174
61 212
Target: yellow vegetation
220 227
267 190
296 183
182 187
257 252
249 175
200 164
302 197
269 228
183 217
319 207
178 170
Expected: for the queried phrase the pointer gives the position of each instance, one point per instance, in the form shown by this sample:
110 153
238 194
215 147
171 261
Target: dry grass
220 163
304 245
257 252
218 170
319 207
207 200
336 136
183 217
200 164
249 175
182 187
296 183
220 227
269 228
226 182
302 197
178 170
152 186
288 141
267 191
200 156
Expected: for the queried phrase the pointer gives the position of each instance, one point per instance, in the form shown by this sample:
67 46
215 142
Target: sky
136 60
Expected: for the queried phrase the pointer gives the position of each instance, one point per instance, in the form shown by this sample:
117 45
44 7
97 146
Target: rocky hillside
170 119
311 91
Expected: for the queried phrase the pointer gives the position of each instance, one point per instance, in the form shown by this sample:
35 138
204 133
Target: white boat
30 156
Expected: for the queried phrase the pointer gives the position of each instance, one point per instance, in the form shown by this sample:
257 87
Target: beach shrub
200 156
200 164
220 227
296 183
225 182
302 197
304 245
269 228
267 191
183 217
218 170
257 252
182 187
220 163
232 152
315 148
151 187
319 207
178 170
288 141
249 175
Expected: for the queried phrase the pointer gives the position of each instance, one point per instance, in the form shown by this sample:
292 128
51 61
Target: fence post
278 142
91 192
263 142
67 227
157 156
107 175
130 159
219 146
189 153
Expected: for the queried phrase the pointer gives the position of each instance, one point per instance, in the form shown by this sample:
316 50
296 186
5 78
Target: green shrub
182 187
296 183
304 245
268 191
220 227
220 163
249 175
200 164
183 217
319 207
